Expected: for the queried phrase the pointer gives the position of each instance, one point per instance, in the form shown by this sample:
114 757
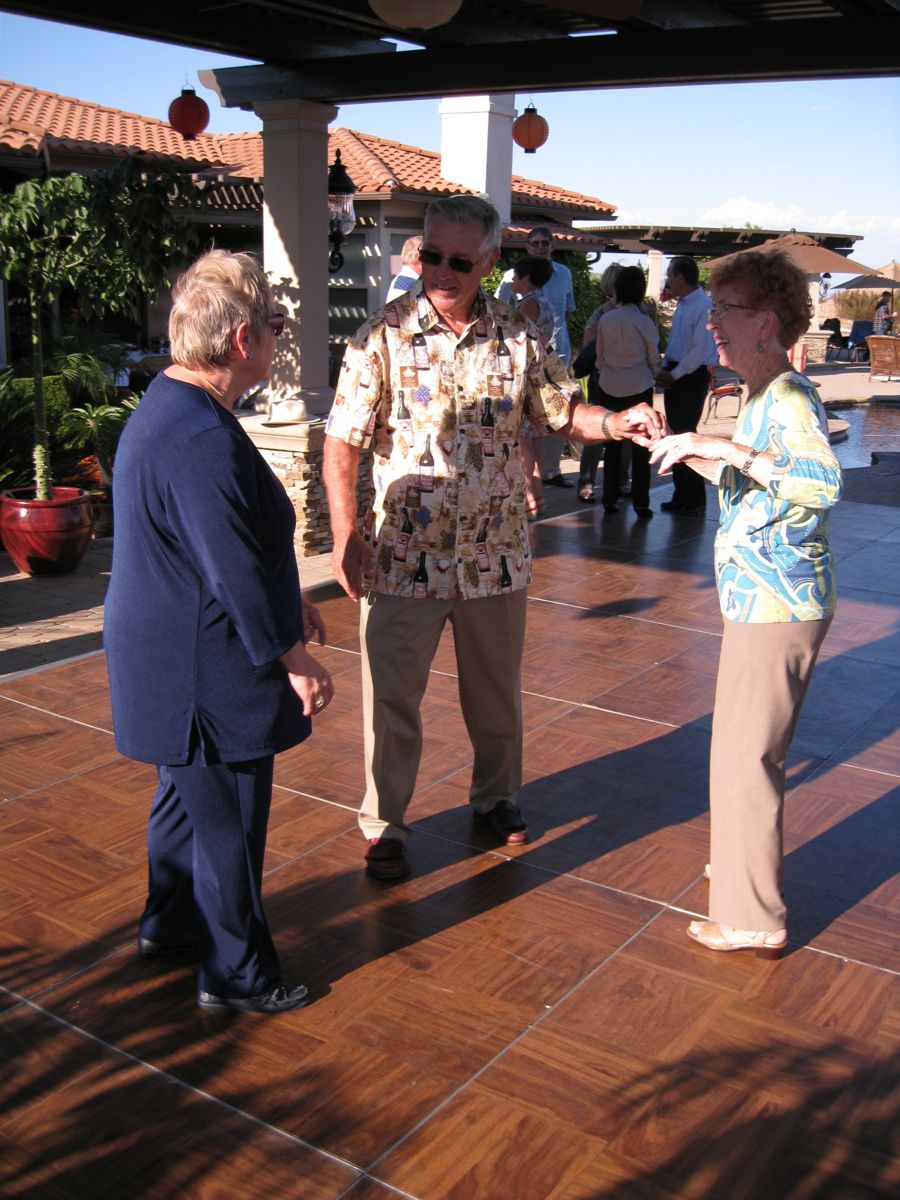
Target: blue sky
821 155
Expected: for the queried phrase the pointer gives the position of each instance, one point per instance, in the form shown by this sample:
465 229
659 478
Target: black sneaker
281 998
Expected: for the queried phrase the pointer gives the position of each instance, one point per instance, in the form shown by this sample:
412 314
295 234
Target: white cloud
741 210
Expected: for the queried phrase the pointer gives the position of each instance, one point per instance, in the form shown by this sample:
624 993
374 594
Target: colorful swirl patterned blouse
773 562
442 416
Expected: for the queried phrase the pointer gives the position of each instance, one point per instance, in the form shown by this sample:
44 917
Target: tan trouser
399 639
764 671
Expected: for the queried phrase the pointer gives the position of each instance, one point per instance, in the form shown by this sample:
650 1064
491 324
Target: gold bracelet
748 462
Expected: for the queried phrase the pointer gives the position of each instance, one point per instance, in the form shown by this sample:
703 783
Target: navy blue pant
206 839
684 406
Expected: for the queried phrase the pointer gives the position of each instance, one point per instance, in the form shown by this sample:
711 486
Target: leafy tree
109 237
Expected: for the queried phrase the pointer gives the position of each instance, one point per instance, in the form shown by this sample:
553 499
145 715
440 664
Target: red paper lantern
530 130
188 115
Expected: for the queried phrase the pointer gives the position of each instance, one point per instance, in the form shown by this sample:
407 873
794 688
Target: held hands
680 447
641 424
353 564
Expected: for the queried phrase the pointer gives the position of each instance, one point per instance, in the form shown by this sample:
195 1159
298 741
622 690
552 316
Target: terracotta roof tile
30 118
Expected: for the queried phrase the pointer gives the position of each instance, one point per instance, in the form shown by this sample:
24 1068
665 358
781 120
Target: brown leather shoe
506 823
386 858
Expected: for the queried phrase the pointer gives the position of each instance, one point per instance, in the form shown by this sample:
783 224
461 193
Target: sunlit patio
530 1024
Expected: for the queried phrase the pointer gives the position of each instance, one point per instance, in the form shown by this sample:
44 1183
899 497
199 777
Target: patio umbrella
886 281
809 256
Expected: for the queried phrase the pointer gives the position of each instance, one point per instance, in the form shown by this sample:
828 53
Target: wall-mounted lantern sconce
341 214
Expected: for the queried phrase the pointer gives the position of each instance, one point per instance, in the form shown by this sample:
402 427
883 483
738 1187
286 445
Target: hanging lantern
415 14
188 115
530 130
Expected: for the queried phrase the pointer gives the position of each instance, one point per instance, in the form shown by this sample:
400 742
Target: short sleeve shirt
441 413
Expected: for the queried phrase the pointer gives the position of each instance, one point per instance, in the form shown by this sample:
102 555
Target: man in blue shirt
690 352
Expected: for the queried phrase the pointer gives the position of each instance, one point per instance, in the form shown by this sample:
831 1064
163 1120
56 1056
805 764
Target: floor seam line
169 1077
515 1041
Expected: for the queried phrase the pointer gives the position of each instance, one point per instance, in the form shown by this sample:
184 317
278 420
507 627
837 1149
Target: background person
778 480
438 391
410 270
685 376
530 274
883 321
585 366
560 294
205 635
627 359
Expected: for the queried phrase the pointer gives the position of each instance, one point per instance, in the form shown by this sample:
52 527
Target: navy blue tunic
204 595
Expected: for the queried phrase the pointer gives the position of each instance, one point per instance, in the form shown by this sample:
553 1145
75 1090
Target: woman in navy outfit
205 635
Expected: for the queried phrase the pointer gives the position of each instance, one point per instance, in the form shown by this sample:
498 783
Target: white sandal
715 936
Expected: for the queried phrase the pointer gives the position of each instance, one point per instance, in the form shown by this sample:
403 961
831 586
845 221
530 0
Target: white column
295 247
655 273
476 145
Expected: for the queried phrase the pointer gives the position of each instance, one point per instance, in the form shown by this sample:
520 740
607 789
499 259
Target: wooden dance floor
527 1024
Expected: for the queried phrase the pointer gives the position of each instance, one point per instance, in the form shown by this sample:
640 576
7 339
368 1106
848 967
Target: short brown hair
769 279
538 270
210 300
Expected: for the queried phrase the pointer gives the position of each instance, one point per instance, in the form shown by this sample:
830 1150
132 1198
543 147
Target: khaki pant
764 672
399 639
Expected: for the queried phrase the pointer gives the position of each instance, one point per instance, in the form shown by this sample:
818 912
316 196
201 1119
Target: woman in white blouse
627 363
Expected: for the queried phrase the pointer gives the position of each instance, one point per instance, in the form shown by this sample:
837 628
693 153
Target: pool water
872 428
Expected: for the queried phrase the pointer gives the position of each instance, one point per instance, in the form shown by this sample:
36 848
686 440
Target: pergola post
295 248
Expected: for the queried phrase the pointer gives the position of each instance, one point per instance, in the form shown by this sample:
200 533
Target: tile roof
34 121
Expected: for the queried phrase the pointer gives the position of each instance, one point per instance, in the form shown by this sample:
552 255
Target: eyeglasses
538 242
722 310
455 262
276 323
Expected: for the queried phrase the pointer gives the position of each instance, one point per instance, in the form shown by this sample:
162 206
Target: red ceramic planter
46 537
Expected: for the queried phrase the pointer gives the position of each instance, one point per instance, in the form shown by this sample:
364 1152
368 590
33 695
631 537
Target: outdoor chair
884 356
859 332
723 382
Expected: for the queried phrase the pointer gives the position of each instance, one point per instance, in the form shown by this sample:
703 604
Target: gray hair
410 252
460 210
210 300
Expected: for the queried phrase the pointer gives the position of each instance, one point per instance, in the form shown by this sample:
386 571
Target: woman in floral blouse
778 480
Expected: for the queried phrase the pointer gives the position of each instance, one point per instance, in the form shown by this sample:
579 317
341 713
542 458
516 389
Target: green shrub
17 426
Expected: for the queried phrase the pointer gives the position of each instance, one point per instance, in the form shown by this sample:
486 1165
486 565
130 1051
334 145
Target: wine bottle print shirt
441 414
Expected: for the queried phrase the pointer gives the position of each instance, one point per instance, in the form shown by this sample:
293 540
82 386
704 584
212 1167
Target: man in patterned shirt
437 384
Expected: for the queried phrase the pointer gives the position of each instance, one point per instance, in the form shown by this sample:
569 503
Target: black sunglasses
276 323
461 266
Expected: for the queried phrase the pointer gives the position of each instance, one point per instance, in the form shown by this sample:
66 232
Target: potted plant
109 238
97 428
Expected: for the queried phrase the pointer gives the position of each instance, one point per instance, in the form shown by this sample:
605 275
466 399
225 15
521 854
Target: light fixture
530 130
341 214
188 114
415 14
